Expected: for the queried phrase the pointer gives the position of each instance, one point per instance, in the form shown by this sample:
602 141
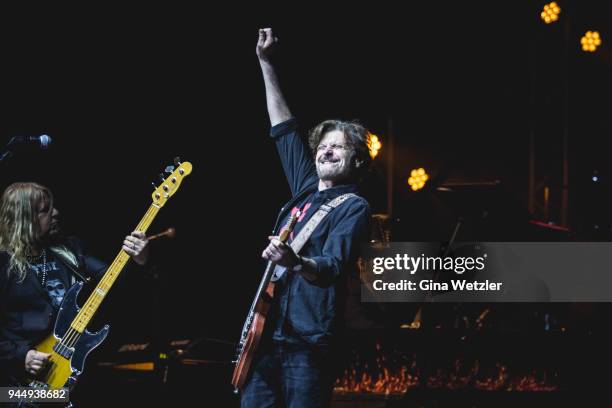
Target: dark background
123 91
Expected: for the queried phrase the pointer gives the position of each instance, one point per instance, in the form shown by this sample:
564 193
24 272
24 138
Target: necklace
42 275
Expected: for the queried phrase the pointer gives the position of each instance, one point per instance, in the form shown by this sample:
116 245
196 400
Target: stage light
418 178
595 179
590 41
550 13
374 145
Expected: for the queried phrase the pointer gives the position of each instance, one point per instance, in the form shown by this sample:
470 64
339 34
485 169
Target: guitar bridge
63 350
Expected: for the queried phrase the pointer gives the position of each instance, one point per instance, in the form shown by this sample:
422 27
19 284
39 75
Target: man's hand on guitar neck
136 245
283 255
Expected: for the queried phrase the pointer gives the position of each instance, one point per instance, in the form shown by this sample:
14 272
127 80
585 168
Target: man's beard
334 173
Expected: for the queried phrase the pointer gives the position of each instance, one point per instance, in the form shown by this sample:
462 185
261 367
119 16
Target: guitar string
106 282
289 226
73 335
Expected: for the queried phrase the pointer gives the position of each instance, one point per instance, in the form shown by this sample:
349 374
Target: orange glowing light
590 41
374 145
550 13
418 178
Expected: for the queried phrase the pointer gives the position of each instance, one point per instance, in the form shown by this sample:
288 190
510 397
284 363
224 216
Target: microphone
42 141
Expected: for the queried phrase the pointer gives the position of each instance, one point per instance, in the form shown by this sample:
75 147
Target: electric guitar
256 319
71 342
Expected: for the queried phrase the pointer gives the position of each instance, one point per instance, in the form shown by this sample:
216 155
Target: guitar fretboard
92 304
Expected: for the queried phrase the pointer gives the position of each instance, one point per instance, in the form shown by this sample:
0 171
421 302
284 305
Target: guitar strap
302 237
78 271
76 275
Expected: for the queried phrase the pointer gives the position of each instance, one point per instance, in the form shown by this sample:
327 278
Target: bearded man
294 365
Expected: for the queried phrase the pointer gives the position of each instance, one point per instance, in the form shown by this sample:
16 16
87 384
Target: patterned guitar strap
305 233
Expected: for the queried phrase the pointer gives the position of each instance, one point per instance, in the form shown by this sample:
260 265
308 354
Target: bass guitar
71 342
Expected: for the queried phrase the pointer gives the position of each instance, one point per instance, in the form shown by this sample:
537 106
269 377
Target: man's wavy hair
19 227
356 135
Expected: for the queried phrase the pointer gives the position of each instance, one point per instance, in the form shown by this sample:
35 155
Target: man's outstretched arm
296 157
278 110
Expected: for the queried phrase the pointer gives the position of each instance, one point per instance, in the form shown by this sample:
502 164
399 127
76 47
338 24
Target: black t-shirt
58 279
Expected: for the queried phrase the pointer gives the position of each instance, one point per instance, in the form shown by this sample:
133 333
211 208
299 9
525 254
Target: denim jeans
290 376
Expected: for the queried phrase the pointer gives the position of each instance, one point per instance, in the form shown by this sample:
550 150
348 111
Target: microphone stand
43 141
7 154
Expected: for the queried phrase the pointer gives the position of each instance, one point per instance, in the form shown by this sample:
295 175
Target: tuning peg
161 177
177 161
154 186
169 169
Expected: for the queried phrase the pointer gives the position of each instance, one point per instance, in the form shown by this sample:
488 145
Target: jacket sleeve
349 231
12 351
296 158
12 356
